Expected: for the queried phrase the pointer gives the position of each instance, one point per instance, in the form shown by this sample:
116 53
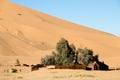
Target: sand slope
27 33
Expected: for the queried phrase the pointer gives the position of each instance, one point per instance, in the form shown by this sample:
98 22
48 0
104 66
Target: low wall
72 66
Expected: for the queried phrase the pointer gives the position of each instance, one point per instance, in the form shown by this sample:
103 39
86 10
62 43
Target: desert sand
44 74
64 74
28 35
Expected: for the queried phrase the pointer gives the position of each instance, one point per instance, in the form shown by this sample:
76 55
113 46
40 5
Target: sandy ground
64 74
44 74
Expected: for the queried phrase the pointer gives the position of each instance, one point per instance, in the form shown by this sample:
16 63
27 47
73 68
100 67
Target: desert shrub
17 62
20 77
19 14
66 54
85 56
48 60
14 70
63 60
26 65
63 56
65 51
36 67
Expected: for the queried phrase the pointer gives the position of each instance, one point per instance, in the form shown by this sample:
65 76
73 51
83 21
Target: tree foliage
66 54
63 56
85 56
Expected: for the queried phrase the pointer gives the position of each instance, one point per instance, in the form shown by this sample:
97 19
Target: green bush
63 56
48 60
14 70
66 54
85 56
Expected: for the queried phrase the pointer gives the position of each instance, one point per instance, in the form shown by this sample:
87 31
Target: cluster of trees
67 54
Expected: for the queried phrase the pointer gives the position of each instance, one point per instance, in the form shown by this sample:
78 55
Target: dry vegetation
13 72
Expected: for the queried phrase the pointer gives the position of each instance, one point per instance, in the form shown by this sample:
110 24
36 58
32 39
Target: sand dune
27 33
